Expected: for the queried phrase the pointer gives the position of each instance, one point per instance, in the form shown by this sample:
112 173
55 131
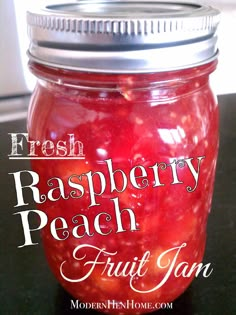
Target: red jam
132 208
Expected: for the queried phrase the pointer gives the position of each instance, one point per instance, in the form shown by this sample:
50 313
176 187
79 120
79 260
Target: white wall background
13 57
224 79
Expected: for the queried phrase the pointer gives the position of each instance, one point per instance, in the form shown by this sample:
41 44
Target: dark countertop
28 287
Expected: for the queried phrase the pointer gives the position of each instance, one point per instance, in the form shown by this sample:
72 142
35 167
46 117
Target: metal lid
123 36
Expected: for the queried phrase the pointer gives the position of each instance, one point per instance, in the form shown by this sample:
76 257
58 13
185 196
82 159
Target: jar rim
142 36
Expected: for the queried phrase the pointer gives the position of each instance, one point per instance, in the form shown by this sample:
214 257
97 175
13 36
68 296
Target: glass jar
127 131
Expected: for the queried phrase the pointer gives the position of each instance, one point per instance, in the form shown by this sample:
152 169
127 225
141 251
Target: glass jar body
128 170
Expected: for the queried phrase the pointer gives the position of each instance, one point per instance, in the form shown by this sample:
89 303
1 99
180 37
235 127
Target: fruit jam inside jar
129 127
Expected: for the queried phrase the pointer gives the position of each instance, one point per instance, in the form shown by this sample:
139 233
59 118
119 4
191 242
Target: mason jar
126 131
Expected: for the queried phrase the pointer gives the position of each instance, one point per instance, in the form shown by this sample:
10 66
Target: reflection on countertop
14 108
